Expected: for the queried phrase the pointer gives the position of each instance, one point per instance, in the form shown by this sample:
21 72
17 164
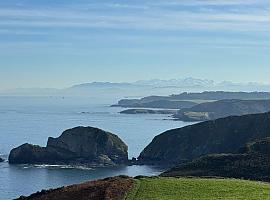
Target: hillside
219 95
251 162
157 188
224 135
186 189
108 189
223 108
161 103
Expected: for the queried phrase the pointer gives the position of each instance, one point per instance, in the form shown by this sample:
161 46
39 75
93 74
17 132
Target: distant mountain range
180 83
113 91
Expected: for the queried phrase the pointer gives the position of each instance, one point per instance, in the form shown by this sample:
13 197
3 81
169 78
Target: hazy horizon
55 44
153 81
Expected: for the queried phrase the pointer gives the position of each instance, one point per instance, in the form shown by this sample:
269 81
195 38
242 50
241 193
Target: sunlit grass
195 188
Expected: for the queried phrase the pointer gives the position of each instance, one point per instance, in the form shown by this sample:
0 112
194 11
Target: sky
58 43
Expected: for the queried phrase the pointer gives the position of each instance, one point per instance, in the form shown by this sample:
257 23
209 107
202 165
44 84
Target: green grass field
195 188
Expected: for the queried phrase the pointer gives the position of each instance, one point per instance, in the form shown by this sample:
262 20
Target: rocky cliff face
252 162
225 135
80 145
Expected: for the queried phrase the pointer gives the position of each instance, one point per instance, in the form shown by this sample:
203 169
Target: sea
34 119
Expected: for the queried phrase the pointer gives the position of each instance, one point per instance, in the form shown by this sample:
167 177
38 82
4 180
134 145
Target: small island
77 146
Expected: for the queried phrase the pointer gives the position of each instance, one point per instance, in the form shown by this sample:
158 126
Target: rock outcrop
77 146
224 135
2 160
251 162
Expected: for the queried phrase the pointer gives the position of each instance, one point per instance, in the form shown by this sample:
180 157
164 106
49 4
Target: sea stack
77 146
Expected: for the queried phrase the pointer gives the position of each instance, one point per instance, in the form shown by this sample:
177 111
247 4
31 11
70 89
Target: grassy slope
195 188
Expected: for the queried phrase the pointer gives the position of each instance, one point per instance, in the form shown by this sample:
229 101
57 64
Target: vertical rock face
28 153
80 145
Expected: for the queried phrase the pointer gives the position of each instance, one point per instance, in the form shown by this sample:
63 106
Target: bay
34 119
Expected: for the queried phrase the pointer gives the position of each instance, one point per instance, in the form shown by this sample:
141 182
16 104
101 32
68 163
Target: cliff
224 135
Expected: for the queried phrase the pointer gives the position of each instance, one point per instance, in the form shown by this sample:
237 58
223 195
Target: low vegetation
195 188
108 189
251 162
158 188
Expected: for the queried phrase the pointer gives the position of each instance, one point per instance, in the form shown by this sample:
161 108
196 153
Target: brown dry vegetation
108 189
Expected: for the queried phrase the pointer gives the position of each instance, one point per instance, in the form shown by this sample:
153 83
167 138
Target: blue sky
58 43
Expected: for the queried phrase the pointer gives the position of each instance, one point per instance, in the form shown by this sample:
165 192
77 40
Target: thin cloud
156 19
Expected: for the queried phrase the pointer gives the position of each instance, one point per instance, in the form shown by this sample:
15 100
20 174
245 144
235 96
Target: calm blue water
34 119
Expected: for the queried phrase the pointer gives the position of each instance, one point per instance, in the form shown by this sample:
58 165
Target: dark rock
80 145
31 154
134 159
2 160
224 135
252 163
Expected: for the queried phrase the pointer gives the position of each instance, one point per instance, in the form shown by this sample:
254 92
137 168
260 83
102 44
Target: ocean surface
34 119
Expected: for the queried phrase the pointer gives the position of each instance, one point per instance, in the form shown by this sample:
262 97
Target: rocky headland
77 146
155 103
222 108
225 135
